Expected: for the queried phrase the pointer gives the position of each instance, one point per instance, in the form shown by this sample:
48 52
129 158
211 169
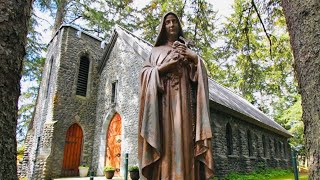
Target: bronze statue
174 126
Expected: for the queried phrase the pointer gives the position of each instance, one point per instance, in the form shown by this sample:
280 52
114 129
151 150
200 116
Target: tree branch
76 18
182 9
264 29
34 14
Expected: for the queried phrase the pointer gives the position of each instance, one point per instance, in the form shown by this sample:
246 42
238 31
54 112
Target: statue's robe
174 126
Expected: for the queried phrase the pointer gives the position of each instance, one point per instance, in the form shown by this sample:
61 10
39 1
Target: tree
59 6
101 16
31 75
14 16
198 19
258 66
302 17
291 120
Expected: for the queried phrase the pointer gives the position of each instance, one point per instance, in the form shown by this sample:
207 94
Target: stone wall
70 108
43 109
239 160
122 66
58 107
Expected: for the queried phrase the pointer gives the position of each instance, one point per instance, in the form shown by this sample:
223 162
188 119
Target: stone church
87 112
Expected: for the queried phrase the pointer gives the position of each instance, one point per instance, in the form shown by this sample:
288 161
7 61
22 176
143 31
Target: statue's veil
162 37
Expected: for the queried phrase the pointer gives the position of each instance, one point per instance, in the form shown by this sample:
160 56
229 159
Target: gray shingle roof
223 96
218 94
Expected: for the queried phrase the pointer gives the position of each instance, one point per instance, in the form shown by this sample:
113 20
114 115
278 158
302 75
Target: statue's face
172 26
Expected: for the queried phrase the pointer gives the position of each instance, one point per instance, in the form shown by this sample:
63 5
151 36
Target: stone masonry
58 108
122 66
239 160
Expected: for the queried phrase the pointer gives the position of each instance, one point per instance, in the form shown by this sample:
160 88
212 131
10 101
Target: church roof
76 28
222 98
225 97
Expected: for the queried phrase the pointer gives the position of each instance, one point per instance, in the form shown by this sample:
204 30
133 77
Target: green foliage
31 76
133 168
260 167
108 168
101 16
262 175
257 58
258 63
291 118
20 152
84 165
198 19
69 11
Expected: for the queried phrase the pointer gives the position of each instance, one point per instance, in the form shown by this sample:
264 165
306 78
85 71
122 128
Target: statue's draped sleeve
203 134
149 128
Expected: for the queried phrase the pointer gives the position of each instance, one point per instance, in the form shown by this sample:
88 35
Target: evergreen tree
14 17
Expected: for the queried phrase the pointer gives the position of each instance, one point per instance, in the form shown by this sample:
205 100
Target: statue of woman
174 125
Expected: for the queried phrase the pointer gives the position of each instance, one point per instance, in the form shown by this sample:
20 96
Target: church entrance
113 147
72 151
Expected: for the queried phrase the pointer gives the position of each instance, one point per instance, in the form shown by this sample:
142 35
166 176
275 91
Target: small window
249 139
264 146
49 77
83 76
229 139
114 92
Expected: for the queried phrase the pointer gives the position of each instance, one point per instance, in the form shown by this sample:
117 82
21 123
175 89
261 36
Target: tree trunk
60 15
14 16
303 18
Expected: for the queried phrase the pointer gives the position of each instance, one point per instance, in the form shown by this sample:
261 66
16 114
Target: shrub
108 168
133 168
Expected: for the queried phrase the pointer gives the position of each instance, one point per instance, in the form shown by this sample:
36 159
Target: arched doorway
72 151
113 146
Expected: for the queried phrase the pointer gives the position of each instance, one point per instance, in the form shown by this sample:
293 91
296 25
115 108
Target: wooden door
113 147
72 151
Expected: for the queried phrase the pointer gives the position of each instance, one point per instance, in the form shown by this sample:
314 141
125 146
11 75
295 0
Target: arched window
249 139
239 142
285 150
280 150
270 147
229 139
83 76
275 148
264 146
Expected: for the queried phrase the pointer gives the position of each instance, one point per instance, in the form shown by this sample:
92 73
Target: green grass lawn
270 174
291 177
